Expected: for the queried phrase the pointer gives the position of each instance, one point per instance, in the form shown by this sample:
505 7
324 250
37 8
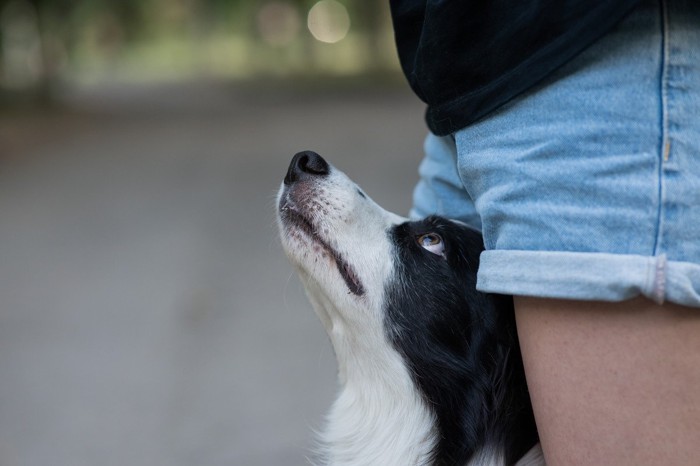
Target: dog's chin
304 245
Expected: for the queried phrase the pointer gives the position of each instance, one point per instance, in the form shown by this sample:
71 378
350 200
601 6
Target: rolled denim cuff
589 276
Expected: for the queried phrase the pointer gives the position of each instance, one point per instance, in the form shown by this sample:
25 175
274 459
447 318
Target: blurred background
148 315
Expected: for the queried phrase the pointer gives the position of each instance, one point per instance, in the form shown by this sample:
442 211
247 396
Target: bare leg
613 383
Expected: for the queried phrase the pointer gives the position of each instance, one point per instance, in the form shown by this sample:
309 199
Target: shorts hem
589 276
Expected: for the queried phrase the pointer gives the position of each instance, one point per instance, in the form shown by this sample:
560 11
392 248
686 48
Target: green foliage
79 37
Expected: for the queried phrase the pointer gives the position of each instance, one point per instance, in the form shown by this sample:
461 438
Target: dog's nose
305 164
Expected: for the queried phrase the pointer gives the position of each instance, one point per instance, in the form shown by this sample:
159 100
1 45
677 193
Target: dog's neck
377 406
368 417
379 417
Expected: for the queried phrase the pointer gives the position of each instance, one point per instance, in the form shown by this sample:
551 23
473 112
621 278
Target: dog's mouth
293 218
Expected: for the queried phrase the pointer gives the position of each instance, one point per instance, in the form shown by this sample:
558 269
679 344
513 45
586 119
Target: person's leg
613 383
588 188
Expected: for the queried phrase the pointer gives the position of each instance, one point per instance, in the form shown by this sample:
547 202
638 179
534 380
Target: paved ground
147 313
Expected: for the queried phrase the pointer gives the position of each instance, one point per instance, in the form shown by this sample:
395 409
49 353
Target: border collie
430 370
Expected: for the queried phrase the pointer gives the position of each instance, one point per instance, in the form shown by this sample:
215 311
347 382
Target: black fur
461 345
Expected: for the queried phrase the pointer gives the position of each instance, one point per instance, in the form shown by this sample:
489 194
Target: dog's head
394 293
354 257
373 276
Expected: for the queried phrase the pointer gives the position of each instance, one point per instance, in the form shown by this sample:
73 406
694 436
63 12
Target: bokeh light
328 21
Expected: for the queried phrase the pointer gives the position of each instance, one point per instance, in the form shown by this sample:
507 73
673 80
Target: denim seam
664 143
659 291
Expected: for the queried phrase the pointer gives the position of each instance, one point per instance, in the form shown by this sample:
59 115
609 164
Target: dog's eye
433 243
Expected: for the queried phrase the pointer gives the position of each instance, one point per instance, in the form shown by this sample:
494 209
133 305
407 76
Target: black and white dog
430 369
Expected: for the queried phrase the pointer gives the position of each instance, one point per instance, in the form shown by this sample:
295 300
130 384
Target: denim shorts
588 186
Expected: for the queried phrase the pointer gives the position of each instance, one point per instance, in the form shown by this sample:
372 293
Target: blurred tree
61 23
74 32
371 19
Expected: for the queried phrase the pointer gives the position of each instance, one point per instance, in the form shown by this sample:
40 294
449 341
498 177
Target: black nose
305 164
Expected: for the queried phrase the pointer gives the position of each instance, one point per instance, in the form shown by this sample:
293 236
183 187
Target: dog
430 369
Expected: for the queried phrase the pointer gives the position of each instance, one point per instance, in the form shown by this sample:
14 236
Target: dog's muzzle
295 210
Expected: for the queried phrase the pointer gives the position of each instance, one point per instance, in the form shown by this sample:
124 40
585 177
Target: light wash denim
588 186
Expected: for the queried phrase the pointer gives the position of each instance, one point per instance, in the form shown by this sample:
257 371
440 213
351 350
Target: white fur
534 457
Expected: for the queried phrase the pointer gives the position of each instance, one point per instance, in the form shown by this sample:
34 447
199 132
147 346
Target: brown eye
432 242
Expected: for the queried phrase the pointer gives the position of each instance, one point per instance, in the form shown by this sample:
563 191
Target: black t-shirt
465 58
